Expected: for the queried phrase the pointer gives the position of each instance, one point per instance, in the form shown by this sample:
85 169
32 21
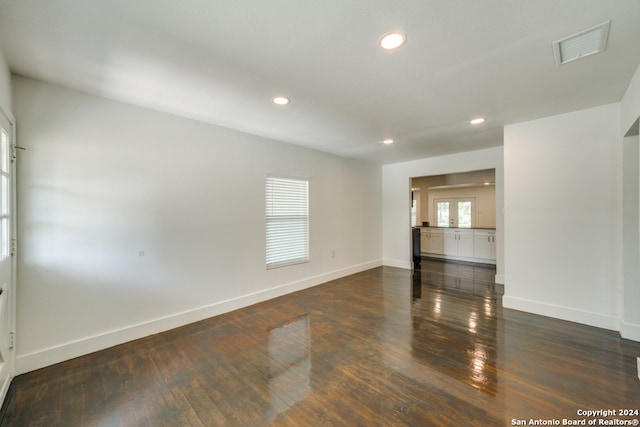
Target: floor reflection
290 365
456 303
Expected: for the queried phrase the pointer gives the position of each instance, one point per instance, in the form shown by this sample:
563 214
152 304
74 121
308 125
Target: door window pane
4 244
442 214
464 214
4 195
4 151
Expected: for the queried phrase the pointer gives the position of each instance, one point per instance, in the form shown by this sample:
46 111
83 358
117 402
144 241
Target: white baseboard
66 351
630 331
564 313
4 388
397 263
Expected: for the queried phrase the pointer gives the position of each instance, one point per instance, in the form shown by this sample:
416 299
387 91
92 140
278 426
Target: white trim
59 353
397 263
564 313
630 331
499 279
10 292
4 389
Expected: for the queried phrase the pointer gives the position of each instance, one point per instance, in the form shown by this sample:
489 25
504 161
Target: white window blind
287 203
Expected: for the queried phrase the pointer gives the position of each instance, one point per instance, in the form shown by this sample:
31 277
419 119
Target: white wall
101 182
630 103
630 113
562 216
396 199
630 327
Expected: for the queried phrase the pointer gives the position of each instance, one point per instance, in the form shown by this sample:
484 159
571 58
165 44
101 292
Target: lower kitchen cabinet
431 241
484 244
466 244
458 242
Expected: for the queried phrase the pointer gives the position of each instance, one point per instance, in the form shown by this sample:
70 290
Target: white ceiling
222 61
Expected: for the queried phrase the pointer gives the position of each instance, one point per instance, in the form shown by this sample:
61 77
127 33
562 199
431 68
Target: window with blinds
287 213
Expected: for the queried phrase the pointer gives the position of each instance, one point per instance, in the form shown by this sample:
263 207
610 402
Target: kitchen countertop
458 228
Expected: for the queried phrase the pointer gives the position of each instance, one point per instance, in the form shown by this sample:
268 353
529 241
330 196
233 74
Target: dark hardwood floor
379 348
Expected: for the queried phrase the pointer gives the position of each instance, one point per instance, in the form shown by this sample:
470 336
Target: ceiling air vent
585 43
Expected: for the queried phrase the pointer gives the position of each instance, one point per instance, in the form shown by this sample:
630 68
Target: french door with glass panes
7 294
456 212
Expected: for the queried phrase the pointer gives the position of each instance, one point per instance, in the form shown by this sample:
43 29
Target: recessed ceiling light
392 40
281 100
388 141
477 121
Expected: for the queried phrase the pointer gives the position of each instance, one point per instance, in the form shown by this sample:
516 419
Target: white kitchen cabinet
431 241
458 242
450 243
464 244
484 244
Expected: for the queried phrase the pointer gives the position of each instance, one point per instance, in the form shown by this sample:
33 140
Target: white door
7 298
457 212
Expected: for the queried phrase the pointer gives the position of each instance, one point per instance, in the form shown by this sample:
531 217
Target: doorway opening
453 216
